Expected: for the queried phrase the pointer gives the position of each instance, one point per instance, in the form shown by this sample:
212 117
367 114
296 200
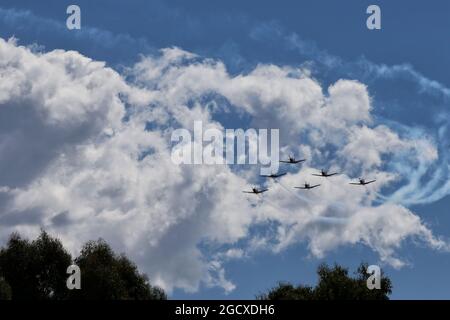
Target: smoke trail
322 219
425 182
332 220
380 198
273 205
293 193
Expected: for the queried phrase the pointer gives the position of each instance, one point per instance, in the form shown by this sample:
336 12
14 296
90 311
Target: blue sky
333 38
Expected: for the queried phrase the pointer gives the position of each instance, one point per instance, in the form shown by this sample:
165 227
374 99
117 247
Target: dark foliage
37 271
107 276
334 284
5 290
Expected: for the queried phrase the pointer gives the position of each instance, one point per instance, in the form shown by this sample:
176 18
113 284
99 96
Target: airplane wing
273 175
247 191
303 188
279 175
370 181
317 175
356 183
315 186
331 174
292 162
264 190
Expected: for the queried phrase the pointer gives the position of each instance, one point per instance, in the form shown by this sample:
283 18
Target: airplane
256 191
362 182
325 174
292 160
308 186
274 175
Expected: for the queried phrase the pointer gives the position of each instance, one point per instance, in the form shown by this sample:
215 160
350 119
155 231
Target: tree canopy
37 270
108 276
5 290
334 283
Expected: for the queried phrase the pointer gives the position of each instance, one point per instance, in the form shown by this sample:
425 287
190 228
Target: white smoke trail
321 219
332 220
425 182
293 193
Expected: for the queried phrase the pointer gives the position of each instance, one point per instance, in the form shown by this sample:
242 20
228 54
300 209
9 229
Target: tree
5 290
286 291
107 276
35 270
334 284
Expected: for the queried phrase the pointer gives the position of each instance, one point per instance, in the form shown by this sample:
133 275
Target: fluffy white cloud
86 154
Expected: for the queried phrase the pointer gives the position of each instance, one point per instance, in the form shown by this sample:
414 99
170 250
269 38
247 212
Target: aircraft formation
306 186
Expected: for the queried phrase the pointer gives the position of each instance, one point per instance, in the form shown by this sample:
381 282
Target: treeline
334 283
37 270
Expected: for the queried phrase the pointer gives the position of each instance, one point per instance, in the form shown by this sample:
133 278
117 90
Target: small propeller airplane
292 160
308 186
256 191
362 182
274 175
325 174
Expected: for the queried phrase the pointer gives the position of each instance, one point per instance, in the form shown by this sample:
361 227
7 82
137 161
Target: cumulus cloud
85 153
418 109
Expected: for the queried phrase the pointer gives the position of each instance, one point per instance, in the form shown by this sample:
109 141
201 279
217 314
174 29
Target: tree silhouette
107 276
334 284
37 271
5 290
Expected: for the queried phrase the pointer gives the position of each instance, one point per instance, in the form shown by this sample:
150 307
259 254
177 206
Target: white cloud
94 170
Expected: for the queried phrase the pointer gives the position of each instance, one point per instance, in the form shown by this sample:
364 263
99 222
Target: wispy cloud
89 40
